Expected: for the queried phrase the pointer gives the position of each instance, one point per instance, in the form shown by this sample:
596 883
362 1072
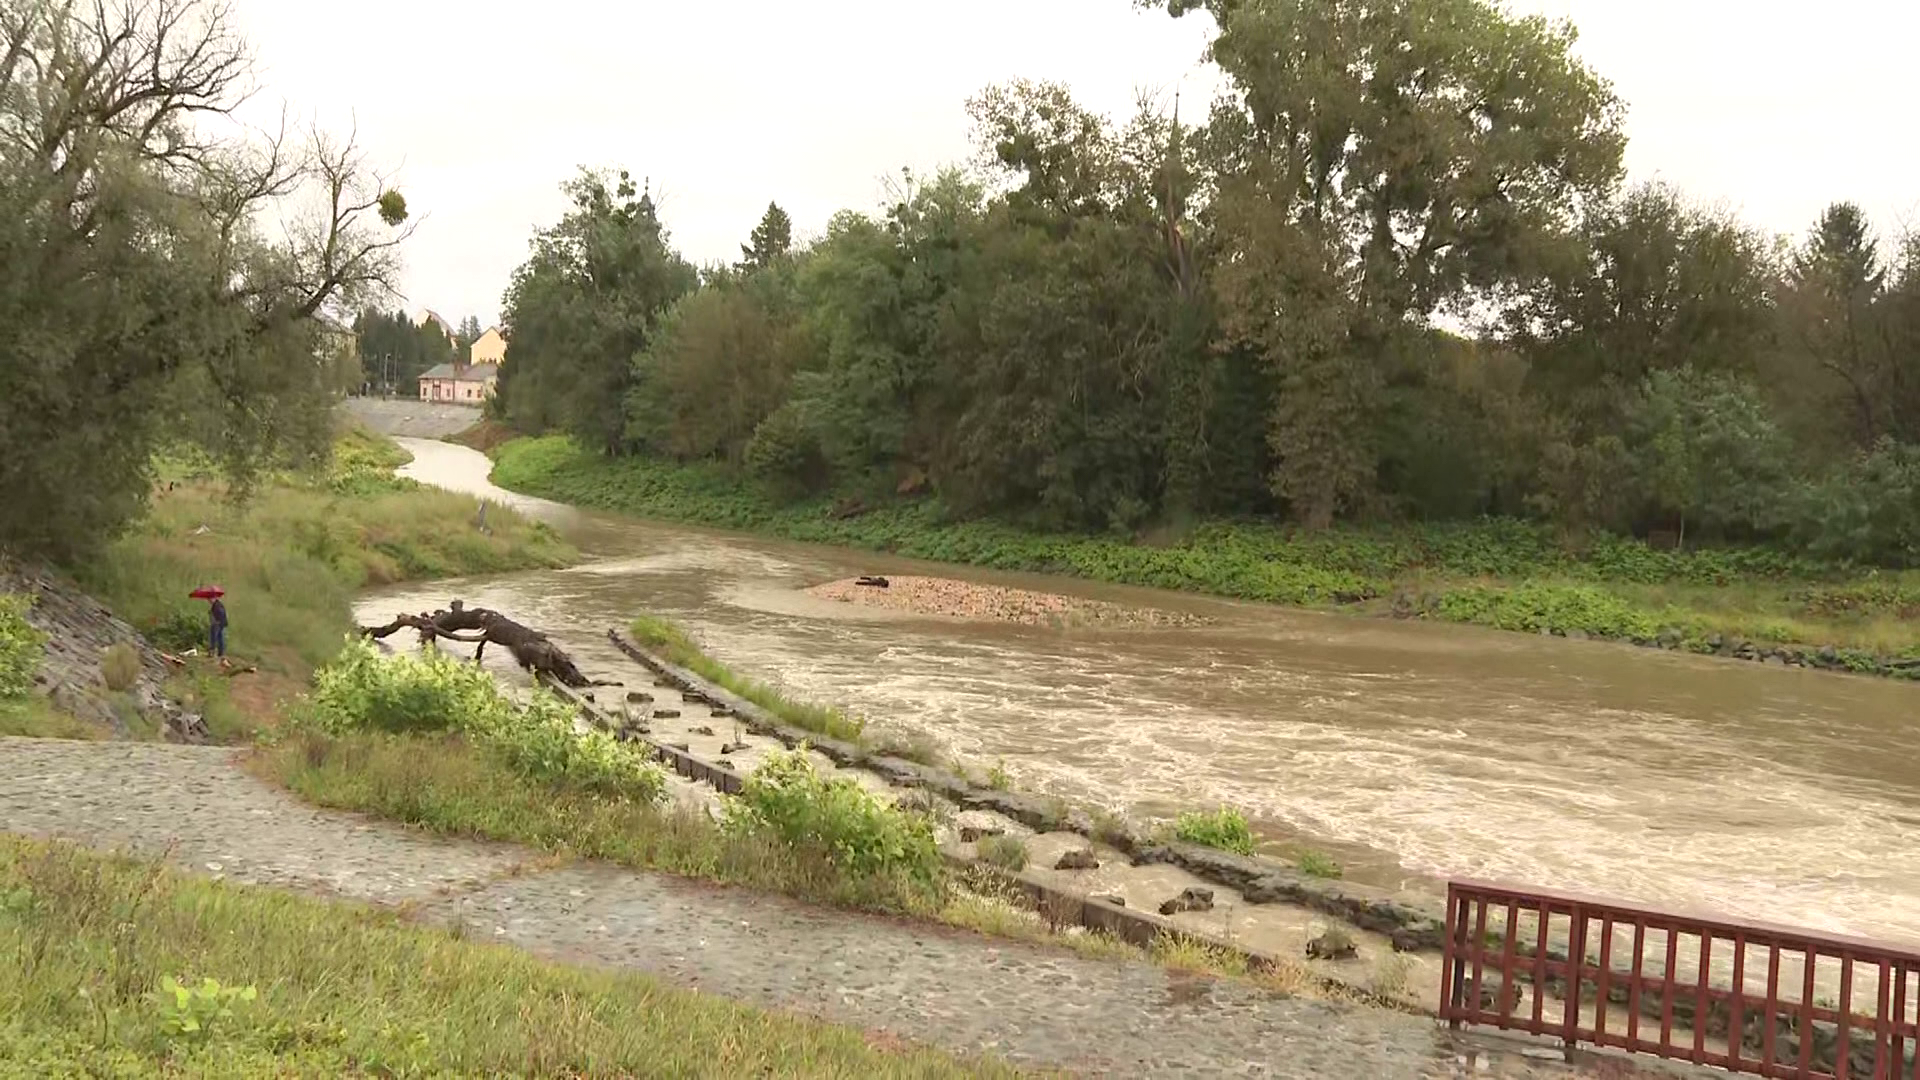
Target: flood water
1410 751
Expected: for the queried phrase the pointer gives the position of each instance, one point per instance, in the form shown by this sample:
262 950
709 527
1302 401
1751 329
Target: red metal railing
1741 996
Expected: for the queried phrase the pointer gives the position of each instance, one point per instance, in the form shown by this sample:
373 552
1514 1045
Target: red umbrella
208 592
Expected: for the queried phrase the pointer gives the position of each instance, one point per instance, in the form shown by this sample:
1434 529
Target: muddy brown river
1409 751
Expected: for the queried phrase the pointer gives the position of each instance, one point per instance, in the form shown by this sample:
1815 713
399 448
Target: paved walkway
929 984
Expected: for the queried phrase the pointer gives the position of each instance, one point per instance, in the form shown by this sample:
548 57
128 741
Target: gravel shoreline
951 598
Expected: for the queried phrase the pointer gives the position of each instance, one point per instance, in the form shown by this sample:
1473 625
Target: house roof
458 373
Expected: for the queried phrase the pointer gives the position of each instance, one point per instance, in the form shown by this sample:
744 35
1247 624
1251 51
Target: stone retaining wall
1133 926
1262 880
79 631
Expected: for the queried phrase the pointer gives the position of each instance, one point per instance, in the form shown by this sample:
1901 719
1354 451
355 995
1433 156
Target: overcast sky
1772 108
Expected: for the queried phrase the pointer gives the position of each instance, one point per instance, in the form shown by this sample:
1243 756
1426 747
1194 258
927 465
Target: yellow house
488 348
460 384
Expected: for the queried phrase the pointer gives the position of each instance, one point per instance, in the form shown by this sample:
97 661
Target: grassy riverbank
291 557
1510 575
309 988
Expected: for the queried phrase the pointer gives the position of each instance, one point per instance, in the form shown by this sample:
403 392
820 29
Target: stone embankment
1256 880
1259 888
79 632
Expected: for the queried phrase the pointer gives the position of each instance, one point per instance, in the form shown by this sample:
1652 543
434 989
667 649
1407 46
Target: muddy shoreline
975 602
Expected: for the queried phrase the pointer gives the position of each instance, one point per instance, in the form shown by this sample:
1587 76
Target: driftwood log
531 649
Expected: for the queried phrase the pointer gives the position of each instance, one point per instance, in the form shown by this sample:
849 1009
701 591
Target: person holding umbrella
216 617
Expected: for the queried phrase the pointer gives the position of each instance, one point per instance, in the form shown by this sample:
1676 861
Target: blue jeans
219 640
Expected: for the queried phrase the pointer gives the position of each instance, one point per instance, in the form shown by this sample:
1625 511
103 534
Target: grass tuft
1318 864
1005 852
1225 828
450 786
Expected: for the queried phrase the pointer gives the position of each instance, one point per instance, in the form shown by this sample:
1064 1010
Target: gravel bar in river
950 598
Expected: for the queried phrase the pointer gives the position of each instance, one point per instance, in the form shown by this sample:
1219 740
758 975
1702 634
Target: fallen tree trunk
531 649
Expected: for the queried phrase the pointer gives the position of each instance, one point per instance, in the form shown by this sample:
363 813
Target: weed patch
1005 852
1225 828
1318 864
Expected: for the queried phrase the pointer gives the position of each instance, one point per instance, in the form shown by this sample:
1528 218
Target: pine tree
770 239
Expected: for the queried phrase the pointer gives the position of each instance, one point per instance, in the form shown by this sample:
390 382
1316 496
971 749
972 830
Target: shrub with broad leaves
787 799
22 646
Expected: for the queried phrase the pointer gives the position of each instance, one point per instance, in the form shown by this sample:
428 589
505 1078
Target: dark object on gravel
874 582
1192 899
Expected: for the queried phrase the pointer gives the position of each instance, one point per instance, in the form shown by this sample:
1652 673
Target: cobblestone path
929 984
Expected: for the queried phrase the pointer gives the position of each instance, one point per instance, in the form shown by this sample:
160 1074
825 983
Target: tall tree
587 303
770 240
1379 161
468 333
1834 290
140 301
1649 283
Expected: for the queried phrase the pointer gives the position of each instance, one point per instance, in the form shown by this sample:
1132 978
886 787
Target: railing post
1453 972
1576 972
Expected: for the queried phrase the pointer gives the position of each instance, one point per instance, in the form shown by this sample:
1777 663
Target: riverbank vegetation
291 553
1481 380
23 712
173 355
127 968
435 742
1505 574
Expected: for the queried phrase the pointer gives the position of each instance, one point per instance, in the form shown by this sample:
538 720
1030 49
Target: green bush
22 646
1535 606
788 800
362 464
1225 828
362 690
541 741
176 630
1868 511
